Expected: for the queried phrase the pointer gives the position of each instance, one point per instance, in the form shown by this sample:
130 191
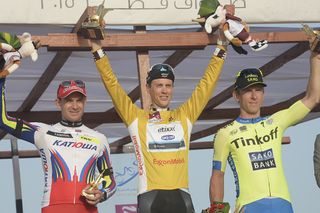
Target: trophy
96 182
315 45
93 26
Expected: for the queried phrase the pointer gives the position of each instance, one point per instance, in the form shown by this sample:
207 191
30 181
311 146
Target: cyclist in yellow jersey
252 145
161 137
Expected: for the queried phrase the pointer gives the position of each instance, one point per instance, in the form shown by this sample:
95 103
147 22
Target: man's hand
95 45
236 41
92 195
219 207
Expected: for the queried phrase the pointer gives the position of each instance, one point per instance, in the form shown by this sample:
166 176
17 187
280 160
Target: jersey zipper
75 171
267 173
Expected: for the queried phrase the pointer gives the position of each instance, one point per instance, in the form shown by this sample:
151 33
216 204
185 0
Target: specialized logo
72 144
256 140
59 134
262 160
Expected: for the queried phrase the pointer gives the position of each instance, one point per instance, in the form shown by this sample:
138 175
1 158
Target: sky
297 161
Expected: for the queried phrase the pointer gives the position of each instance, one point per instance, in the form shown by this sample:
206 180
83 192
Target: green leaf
208 7
11 39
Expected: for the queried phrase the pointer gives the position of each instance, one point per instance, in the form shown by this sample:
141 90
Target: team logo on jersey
233 132
89 138
262 160
168 137
269 121
155 117
167 129
165 162
171 119
243 128
256 140
73 144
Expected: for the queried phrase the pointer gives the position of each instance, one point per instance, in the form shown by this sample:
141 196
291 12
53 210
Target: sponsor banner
126 208
153 12
262 160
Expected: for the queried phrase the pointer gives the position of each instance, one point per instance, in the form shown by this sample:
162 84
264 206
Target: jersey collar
249 120
70 124
158 109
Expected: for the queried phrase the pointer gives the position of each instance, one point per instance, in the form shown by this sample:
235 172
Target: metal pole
16 175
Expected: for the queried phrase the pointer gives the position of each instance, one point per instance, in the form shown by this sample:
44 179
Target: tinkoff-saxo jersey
252 148
161 139
72 157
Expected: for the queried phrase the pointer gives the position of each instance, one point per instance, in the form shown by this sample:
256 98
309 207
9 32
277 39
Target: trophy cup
93 27
315 45
95 183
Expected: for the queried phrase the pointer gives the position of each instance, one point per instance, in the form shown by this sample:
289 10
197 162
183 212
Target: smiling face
250 100
72 106
160 91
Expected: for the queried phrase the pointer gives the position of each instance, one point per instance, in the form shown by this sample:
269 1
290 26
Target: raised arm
312 97
6 47
203 91
14 126
126 109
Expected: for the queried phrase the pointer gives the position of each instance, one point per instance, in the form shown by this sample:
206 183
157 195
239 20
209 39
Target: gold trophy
93 27
94 184
315 45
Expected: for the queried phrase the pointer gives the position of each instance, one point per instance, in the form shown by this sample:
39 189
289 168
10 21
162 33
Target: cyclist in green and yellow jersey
252 145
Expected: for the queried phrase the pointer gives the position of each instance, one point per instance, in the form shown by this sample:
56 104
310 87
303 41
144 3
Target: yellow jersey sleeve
291 116
202 93
123 104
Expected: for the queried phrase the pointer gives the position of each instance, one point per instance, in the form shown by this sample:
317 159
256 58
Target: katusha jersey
252 148
72 157
161 138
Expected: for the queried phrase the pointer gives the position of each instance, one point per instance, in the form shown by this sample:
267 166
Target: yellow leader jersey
161 139
252 148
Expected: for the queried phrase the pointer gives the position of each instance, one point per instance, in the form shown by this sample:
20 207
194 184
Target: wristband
220 53
13 67
98 54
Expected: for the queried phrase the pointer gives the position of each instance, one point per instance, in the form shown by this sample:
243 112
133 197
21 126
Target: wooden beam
94 119
155 41
118 149
267 69
143 64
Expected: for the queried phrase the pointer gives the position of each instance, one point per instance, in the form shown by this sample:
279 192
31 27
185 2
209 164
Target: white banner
154 12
